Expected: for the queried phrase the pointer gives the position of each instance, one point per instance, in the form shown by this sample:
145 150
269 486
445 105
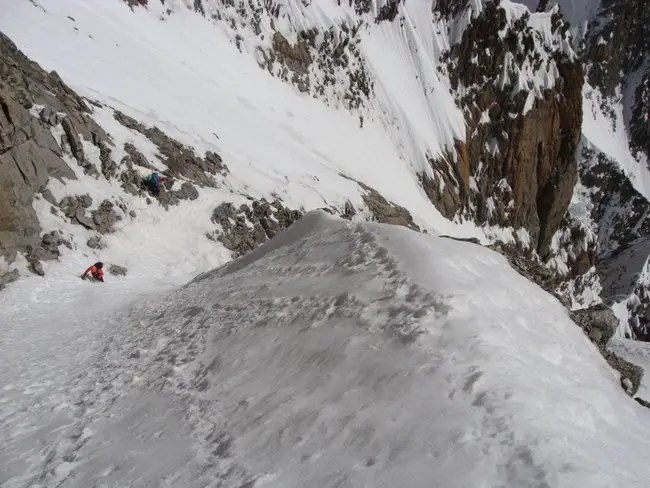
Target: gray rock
29 155
95 242
50 117
81 217
117 270
105 217
135 157
69 206
108 166
72 138
49 197
267 220
19 225
36 267
596 335
180 159
7 277
85 201
131 181
627 370
599 322
49 247
187 191
167 198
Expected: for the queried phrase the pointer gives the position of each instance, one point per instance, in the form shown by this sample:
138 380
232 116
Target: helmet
99 264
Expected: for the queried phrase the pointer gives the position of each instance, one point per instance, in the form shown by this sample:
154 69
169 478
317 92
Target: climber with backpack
153 181
94 272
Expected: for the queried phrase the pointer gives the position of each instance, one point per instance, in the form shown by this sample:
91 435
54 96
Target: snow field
359 354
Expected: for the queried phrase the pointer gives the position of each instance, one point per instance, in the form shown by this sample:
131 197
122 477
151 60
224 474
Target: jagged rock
117 270
108 166
388 11
49 247
49 197
85 201
167 198
348 210
105 217
628 370
95 242
243 229
7 277
131 181
69 206
75 209
180 160
385 212
29 154
187 191
81 217
72 138
36 267
523 173
215 163
136 157
639 400
296 58
599 322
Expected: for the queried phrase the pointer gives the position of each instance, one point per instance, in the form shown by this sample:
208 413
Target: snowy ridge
330 355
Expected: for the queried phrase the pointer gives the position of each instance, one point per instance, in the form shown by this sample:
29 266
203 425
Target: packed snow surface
337 354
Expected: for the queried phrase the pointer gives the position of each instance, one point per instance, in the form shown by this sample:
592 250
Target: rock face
29 154
616 48
521 146
181 160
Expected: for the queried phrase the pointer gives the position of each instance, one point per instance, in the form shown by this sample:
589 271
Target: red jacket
98 273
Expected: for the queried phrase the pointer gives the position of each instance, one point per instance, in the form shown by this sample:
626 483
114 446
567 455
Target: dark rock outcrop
181 160
516 157
245 228
117 270
388 11
105 217
7 277
29 154
95 242
386 212
598 322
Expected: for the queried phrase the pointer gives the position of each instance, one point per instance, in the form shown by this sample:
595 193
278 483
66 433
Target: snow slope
185 75
343 354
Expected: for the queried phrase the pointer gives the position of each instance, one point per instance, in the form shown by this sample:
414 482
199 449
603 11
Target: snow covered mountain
343 354
518 125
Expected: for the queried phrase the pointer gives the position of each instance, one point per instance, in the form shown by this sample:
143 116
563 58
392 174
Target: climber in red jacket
96 272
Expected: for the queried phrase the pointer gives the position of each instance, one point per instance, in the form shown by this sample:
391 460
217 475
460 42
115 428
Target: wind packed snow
337 354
